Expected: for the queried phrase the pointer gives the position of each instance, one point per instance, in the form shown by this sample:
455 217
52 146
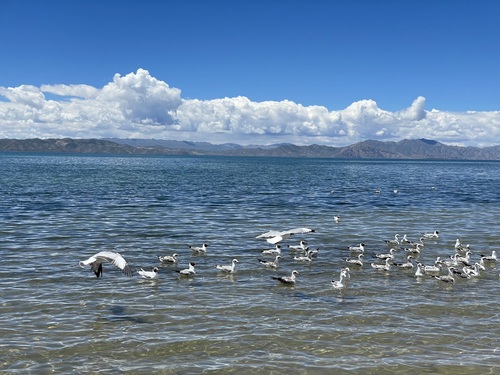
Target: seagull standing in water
420 270
431 236
383 267
302 246
340 284
389 255
198 249
96 261
269 264
228 269
490 258
357 262
360 248
188 271
275 251
406 265
168 258
394 242
447 278
153 274
287 280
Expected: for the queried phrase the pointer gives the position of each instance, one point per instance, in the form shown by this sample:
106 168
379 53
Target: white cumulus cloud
137 105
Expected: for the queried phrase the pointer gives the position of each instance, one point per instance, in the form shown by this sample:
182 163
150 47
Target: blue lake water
57 317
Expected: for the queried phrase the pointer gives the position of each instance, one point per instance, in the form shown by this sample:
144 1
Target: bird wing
115 259
299 231
275 233
271 233
276 239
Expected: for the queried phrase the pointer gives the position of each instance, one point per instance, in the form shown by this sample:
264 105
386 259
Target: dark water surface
56 317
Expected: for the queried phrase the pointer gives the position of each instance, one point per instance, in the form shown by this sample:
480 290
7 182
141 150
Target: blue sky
261 71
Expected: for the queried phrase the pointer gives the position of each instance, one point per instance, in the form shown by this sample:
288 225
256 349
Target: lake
57 317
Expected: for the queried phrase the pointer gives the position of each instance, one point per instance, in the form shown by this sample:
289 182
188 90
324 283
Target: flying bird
96 261
275 237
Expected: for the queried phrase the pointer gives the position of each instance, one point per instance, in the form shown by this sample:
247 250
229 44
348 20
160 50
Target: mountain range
370 149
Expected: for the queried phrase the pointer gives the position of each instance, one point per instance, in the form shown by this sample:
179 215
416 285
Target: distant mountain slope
405 149
68 145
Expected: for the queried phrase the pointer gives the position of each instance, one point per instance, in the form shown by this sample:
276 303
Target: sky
252 71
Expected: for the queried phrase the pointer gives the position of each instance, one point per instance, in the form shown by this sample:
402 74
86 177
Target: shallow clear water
56 210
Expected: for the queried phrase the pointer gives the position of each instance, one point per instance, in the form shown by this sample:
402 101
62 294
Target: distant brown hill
405 149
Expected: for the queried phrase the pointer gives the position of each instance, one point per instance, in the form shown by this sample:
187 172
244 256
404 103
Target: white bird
271 264
148 274
459 246
304 258
188 271
404 240
357 262
275 251
389 255
96 261
413 250
490 258
287 280
464 259
429 236
406 265
168 258
394 242
228 269
420 270
434 269
313 253
336 218
360 248
382 267
339 284
474 271
276 236
346 272
199 249
419 244
452 262
302 246
447 278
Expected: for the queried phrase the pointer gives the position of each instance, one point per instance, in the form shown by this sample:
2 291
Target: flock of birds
447 269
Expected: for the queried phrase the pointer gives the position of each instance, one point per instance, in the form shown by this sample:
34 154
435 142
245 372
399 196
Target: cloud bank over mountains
138 105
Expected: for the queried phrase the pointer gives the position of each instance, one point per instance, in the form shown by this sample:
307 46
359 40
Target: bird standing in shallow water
271 264
340 284
228 269
153 274
168 258
199 249
96 261
287 280
357 262
383 267
447 278
360 247
275 251
188 271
